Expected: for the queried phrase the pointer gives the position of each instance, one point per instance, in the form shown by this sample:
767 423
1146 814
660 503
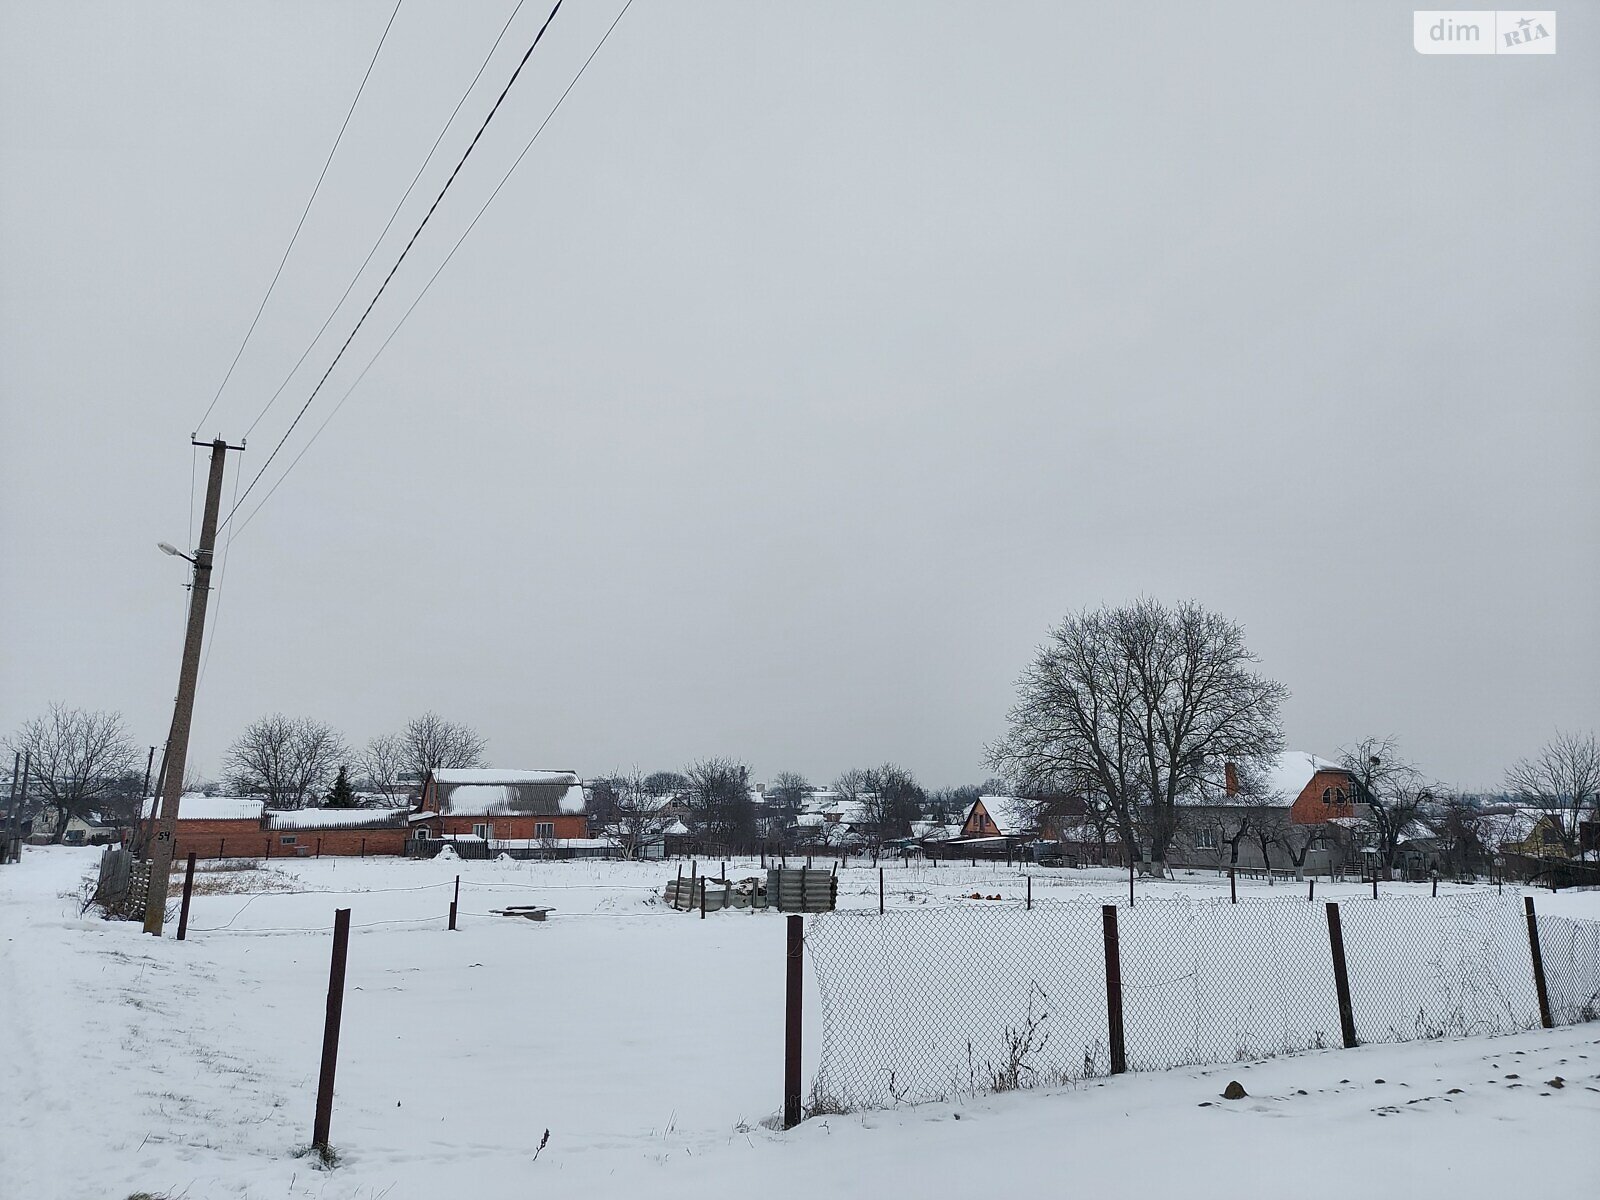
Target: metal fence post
793 996
880 891
1118 1047
454 902
330 1030
188 890
1029 901
1545 1018
1233 887
1341 977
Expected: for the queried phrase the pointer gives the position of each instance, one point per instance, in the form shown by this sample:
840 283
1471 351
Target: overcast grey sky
816 360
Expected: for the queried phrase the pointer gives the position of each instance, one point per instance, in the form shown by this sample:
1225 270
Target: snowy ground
649 1044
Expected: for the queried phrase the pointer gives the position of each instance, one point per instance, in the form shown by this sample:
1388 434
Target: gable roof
1287 775
489 792
1011 815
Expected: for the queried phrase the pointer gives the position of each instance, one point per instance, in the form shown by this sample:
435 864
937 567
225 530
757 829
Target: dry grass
232 877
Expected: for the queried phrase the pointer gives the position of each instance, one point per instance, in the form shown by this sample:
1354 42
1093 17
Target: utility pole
155 905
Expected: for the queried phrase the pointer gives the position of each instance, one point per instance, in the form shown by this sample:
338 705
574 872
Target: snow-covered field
649 1044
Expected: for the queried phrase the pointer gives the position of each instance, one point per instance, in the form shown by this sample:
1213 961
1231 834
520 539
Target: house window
1332 796
286 840
544 829
1207 839
483 831
424 832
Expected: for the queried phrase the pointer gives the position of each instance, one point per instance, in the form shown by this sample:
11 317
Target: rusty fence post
330 1031
793 996
1341 976
188 890
221 842
1539 986
1233 886
1115 1035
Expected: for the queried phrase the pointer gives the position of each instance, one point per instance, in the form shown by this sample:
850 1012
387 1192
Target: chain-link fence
1571 954
926 1004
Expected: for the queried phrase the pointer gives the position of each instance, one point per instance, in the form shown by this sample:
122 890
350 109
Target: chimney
1230 775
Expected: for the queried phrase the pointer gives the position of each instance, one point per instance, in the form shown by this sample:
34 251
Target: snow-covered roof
489 792
1286 776
192 806
335 818
502 775
1011 815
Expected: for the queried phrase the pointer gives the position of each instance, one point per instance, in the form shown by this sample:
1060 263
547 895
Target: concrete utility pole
155 905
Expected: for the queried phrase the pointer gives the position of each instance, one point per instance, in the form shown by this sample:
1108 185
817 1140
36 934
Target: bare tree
721 813
1141 704
886 800
288 760
79 760
1395 792
1563 782
383 762
431 743
640 813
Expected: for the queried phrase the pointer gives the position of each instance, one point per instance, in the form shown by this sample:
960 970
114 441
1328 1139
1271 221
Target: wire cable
434 207
389 224
437 272
303 214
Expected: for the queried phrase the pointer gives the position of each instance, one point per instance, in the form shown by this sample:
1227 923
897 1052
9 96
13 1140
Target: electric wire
539 37
305 212
260 504
389 224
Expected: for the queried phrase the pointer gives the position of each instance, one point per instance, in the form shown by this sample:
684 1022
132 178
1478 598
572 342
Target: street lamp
169 548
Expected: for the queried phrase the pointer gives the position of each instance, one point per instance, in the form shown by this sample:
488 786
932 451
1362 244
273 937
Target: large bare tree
1394 790
887 799
721 813
288 760
431 743
383 762
640 813
1563 782
78 760
1142 704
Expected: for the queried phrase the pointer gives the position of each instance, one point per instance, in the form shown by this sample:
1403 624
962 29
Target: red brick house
501 805
230 827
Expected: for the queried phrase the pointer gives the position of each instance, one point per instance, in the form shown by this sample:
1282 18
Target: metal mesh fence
1445 967
927 1004
1571 953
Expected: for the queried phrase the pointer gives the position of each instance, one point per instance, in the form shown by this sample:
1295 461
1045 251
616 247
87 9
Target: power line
437 271
539 37
354 279
303 214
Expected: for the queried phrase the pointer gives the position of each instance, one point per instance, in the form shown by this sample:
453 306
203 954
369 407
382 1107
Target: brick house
231 827
501 805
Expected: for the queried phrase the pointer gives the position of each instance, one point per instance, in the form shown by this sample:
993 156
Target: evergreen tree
341 794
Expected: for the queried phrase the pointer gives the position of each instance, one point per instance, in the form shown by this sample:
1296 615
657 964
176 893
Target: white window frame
1208 840
287 839
543 830
484 831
